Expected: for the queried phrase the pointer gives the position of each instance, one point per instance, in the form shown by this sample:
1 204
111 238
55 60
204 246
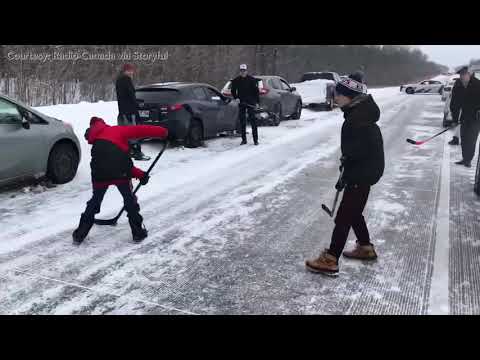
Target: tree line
54 74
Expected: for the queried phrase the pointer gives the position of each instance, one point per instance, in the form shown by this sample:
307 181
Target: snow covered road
230 228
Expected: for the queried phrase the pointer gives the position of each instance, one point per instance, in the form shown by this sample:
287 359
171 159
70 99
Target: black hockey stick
410 141
325 208
113 222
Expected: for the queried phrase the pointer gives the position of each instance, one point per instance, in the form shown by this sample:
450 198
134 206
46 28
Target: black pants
243 110
349 215
469 134
129 120
129 201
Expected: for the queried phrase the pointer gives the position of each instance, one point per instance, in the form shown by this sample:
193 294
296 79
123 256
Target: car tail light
176 107
227 93
264 91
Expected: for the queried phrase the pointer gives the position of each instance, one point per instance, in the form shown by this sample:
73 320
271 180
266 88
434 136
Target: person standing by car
111 165
245 88
465 108
363 165
127 107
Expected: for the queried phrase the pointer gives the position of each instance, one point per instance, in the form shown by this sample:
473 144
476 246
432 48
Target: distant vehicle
191 112
276 96
325 91
447 115
448 88
34 145
424 87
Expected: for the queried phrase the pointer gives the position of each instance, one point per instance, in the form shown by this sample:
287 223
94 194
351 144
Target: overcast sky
451 55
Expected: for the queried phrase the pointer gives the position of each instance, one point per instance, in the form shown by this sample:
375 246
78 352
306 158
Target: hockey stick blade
327 210
111 222
410 141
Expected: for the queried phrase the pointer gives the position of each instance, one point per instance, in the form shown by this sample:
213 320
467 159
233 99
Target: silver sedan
34 145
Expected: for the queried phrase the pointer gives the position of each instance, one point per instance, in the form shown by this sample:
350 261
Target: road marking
439 302
101 291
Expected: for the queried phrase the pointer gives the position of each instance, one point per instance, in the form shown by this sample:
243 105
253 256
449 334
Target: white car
447 89
424 87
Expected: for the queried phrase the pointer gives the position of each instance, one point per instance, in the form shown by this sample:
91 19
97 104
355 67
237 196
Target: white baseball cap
243 67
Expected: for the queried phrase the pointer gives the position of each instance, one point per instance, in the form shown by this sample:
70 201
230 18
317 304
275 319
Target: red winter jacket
111 163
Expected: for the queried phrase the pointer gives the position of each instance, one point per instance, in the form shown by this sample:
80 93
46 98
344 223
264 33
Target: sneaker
461 162
454 141
256 142
324 264
361 252
467 164
243 142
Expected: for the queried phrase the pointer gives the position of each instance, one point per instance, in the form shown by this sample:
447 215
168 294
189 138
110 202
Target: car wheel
62 163
409 91
195 134
298 111
278 115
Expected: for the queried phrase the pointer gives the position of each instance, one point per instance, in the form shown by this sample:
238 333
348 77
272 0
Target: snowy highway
230 227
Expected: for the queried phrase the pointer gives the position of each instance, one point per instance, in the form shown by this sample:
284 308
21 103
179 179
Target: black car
191 112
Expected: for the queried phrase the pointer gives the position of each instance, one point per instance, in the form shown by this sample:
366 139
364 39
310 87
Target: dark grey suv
277 96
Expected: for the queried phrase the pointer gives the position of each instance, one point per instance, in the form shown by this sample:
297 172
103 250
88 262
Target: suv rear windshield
163 96
316 76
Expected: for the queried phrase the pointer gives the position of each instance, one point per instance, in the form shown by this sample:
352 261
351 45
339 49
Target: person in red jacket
112 165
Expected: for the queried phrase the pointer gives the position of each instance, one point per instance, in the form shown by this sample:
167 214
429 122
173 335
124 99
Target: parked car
448 88
447 115
191 112
34 145
423 87
323 75
276 96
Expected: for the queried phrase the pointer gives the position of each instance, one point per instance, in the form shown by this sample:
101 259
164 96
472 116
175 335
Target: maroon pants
349 215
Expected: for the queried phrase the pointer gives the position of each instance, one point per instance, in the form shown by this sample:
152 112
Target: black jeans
129 201
129 120
469 134
243 110
349 215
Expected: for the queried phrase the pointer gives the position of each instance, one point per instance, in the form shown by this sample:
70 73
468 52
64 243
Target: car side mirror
25 124
227 100
293 89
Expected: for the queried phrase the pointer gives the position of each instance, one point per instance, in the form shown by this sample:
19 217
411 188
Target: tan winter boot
325 263
361 252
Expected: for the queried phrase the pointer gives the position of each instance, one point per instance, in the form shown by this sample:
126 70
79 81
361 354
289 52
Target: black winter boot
82 231
139 232
454 141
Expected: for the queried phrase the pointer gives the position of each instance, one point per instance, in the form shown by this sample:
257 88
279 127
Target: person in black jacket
245 88
127 107
465 108
363 165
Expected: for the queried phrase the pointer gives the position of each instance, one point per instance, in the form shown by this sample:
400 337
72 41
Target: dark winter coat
127 103
466 99
362 142
246 89
111 163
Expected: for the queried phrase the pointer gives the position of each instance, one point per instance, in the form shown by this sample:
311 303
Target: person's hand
144 179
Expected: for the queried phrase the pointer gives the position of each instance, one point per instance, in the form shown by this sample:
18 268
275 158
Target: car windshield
157 95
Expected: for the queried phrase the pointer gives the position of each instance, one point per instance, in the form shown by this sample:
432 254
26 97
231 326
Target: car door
281 93
225 114
290 98
208 110
20 148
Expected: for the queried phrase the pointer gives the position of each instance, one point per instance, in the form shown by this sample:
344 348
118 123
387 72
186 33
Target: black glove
340 185
144 179
86 134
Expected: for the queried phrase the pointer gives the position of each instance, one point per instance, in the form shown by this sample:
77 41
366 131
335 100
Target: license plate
144 113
